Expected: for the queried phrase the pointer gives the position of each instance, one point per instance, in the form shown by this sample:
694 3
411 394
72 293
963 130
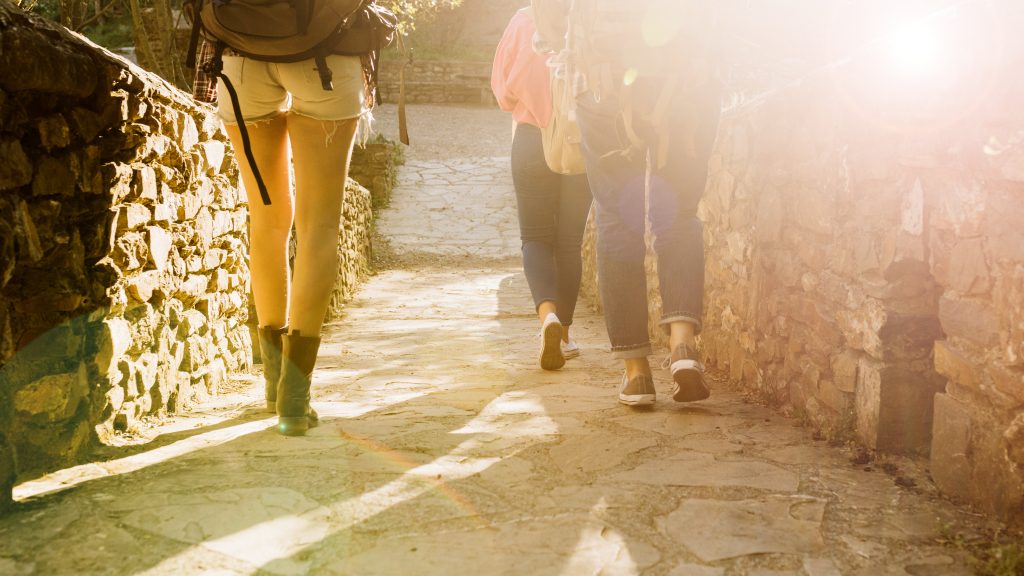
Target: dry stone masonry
123 248
866 264
438 82
123 238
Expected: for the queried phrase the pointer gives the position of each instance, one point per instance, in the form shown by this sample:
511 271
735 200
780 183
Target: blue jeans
618 184
553 211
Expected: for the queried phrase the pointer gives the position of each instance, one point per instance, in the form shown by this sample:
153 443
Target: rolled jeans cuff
667 321
632 352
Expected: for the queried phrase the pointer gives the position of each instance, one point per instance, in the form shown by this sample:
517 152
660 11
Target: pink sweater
519 76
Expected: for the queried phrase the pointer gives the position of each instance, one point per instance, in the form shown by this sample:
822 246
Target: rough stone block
30 61
969 459
54 397
16 169
959 205
55 176
189 132
159 242
53 132
204 228
951 437
141 286
1008 381
210 306
968 271
844 371
85 123
861 326
193 322
132 216
971 318
118 178
954 365
193 287
1004 235
31 248
145 184
214 153
113 339
894 403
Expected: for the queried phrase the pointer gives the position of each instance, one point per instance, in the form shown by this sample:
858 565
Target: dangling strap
403 124
217 69
326 76
193 39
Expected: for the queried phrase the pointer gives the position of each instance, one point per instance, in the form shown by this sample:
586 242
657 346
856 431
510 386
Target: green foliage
412 11
1005 560
111 33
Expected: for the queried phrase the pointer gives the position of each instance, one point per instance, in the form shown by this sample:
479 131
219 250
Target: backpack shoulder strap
216 68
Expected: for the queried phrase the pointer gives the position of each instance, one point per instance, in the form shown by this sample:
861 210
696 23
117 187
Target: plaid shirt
204 86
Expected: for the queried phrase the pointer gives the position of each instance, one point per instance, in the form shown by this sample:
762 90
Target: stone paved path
445 450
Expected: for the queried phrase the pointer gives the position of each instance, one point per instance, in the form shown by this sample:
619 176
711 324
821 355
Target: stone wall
355 246
866 264
434 82
122 249
865 258
375 167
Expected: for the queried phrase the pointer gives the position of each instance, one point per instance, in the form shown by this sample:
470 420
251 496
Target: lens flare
915 48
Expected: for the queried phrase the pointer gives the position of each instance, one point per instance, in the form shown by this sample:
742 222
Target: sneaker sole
689 382
573 354
636 399
551 356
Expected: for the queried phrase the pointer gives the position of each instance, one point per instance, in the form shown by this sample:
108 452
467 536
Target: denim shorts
269 89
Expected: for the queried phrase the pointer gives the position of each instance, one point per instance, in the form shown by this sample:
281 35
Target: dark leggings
553 211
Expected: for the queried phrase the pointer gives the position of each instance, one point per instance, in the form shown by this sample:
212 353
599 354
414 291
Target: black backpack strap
193 39
217 69
326 76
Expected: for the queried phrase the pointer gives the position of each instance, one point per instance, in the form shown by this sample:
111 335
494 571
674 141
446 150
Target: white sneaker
551 357
570 349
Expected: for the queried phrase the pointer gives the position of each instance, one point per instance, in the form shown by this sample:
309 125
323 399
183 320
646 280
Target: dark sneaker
638 391
687 375
551 357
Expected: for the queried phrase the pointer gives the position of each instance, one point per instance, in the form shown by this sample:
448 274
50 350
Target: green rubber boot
270 354
298 356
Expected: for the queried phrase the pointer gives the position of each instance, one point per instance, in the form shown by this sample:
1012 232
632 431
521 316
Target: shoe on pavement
637 391
551 357
687 375
570 349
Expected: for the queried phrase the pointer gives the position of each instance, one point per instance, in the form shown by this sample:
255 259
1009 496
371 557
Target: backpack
613 43
290 31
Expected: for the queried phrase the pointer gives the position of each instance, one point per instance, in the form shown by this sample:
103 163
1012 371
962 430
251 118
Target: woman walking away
553 207
292 120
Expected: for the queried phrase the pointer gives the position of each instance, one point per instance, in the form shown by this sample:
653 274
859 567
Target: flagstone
716 530
700 469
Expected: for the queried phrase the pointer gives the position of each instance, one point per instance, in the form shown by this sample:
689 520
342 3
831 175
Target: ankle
690 343
637 367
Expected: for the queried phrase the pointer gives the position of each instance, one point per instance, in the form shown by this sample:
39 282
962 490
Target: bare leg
682 333
545 308
268 225
322 151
